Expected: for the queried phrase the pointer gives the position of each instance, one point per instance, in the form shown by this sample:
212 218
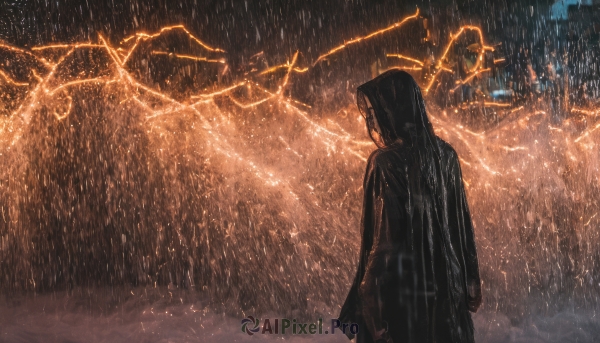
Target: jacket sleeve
460 208
351 309
378 223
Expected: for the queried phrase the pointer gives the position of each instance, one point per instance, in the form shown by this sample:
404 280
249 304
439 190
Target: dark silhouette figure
418 274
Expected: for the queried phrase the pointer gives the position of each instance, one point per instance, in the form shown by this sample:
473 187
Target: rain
169 168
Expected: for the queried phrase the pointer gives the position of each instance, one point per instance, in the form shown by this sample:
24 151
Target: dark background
246 27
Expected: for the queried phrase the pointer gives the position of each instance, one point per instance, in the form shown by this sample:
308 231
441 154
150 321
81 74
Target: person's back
417 254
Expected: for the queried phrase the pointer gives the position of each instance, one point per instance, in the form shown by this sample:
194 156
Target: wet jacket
418 258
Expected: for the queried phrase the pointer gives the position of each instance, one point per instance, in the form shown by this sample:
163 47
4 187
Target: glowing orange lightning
360 39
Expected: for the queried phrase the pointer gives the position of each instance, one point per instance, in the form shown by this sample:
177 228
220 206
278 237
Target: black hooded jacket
418 273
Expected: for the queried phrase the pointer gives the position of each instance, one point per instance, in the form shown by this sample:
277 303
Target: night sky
247 27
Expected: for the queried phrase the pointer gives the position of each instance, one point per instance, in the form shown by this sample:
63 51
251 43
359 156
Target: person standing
418 274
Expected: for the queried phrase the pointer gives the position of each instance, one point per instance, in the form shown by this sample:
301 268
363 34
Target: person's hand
474 296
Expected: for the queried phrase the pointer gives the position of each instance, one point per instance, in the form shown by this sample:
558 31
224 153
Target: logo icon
250 320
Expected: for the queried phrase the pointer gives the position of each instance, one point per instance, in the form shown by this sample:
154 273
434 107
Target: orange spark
408 68
220 92
281 66
145 36
112 52
253 104
587 133
10 80
15 49
371 35
130 51
469 78
586 112
287 76
189 57
131 85
449 45
60 117
284 83
134 83
286 99
33 95
35 74
405 58
77 82
66 46
495 104
299 103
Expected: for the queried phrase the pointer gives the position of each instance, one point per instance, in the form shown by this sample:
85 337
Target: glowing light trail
453 38
220 92
78 82
469 78
271 95
369 36
406 58
25 52
11 81
146 36
66 46
130 51
334 141
60 117
586 112
189 57
282 66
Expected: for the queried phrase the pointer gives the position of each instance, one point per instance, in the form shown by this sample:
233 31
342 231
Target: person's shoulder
447 150
383 155
389 158
376 158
